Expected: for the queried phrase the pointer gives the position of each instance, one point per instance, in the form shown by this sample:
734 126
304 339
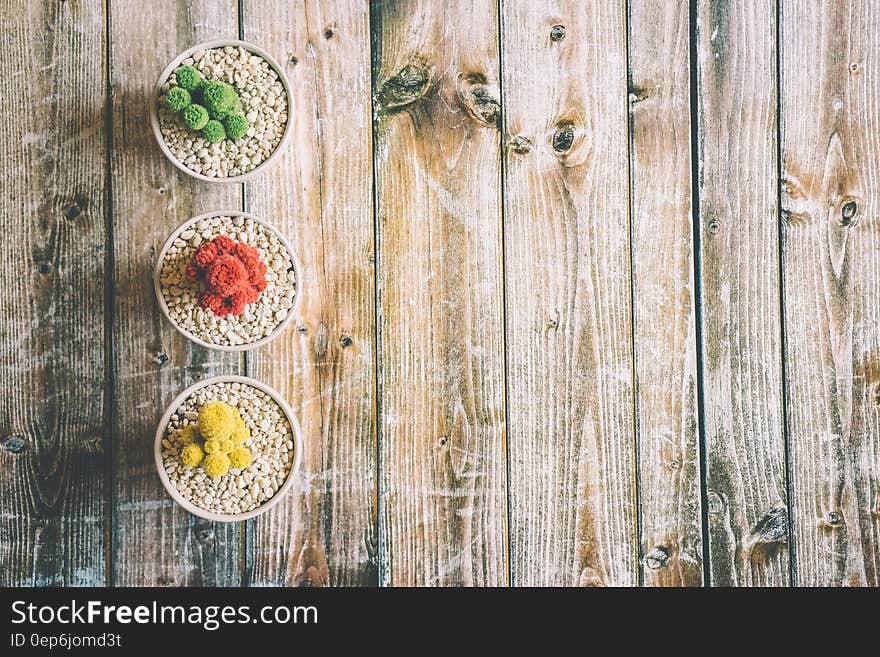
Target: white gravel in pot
259 319
271 445
264 102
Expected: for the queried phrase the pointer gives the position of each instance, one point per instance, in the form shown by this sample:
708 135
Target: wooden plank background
590 295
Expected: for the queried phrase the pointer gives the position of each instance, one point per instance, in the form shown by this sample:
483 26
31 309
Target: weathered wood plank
567 264
321 197
830 159
663 295
154 541
52 213
739 241
441 396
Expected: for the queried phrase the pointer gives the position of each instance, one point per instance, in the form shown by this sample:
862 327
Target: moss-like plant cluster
216 441
211 107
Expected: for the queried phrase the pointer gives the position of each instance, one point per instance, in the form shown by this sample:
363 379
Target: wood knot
521 145
346 342
637 94
204 533
328 32
713 226
769 533
45 268
301 328
848 213
14 444
557 33
590 577
563 137
405 87
657 558
478 99
311 578
715 503
293 60
160 358
443 440
72 211
854 68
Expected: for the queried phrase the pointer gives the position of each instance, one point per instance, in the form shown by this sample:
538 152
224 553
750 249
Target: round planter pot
225 517
166 75
163 305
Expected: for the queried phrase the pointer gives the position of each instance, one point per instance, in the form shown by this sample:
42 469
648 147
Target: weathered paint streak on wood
739 240
567 253
831 204
441 431
663 281
155 542
320 196
52 300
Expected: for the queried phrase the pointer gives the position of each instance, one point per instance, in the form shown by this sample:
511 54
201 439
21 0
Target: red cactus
231 275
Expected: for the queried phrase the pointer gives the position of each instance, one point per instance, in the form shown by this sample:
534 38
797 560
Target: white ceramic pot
175 63
157 271
225 517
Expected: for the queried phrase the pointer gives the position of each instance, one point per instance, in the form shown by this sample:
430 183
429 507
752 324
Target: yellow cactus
240 433
188 435
192 455
216 420
216 464
226 446
240 457
213 446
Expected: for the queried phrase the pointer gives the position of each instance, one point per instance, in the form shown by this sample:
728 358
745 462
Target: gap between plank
780 226
693 33
382 575
502 151
640 573
109 412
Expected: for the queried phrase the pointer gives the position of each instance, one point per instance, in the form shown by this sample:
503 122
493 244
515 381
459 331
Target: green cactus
188 78
213 131
195 117
236 126
219 98
177 99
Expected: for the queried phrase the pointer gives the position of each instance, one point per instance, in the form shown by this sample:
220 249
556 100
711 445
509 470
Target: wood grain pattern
52 301
831 201
441 369
663 295
739 241
320 196
567 254
155 542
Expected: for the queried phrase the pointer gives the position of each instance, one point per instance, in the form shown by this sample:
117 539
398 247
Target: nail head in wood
557 33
